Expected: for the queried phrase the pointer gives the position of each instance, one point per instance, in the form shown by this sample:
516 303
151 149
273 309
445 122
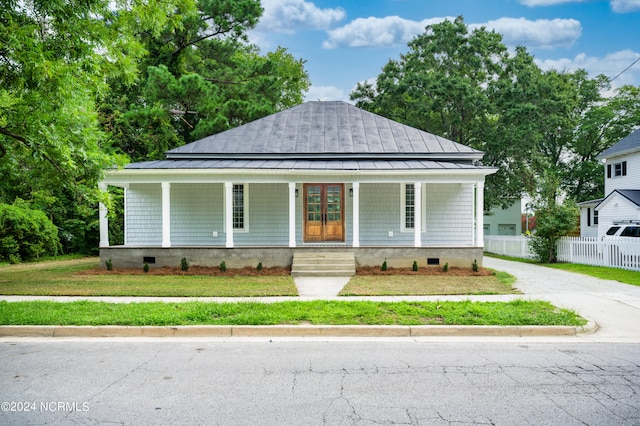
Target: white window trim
245 207
403 201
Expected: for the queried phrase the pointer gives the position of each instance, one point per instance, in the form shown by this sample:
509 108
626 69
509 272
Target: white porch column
356 214
104 220
292 214
480 214
228 213
166 214
417 220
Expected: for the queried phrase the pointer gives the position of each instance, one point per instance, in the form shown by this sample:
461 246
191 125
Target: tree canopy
464 85
89 85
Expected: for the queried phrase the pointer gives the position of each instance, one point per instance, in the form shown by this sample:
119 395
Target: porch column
292 214
417 206
166 214
104 220
480 214
228 213
356 214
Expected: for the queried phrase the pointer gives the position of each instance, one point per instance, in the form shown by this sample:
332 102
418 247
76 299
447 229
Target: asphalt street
200 381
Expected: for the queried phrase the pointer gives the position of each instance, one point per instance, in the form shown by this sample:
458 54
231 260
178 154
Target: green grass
67 279
425 285
615 274
518 312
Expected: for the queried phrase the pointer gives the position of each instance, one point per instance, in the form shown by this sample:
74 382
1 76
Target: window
238 206
613 230
617 169
410 206
595 216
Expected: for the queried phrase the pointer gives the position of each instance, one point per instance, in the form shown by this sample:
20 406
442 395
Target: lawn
68 278
518 312
426 285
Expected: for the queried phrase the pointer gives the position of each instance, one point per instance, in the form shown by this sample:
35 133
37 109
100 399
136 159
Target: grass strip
517 312
427 285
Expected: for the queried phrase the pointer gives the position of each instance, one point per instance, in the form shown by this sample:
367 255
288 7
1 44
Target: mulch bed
279 271
194 270
433 270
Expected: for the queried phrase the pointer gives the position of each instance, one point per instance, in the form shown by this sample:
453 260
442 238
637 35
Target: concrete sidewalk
613 309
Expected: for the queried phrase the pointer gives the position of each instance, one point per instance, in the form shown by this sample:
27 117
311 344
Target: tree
55 59
201 79
464 86
442 86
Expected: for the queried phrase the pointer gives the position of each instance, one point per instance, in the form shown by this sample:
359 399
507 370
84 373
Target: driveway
614 306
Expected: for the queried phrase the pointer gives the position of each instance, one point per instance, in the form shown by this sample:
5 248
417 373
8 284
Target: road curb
54 331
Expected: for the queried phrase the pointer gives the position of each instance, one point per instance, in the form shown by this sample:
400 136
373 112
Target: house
622 189
319 176
504 221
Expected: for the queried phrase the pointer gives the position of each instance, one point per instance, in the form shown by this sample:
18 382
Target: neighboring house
622 189
321 175
504 221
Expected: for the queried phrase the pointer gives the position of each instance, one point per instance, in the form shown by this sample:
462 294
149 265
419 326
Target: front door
323 212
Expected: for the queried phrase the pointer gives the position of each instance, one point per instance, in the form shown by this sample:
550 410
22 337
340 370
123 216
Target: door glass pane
314 203
334 195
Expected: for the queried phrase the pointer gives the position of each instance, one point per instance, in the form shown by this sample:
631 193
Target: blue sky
347 42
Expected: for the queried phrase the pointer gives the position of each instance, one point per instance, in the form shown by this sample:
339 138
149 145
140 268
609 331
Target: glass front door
324 212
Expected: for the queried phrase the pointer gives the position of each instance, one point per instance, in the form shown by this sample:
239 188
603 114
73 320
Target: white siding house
622 189
321 174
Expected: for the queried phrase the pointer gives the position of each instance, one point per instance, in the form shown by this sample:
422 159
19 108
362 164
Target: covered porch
248 219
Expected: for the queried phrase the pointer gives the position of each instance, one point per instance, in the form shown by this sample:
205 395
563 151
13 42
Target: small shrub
109 265
145 267
474 265
14 259
415 266
384 265
259 267
445 268
223 266
184 265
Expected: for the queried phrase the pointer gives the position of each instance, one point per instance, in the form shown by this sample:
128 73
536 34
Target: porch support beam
356 214
104 220
228 213
292 214
480 214
417 220
166 214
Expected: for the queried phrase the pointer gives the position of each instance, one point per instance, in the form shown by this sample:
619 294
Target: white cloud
541 33
377 32
624 6
326 93
610 65
287 16
396 31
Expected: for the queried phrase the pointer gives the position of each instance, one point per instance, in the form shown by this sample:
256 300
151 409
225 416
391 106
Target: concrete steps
323 264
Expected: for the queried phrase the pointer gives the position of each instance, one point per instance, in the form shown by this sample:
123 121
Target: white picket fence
614 252
515 246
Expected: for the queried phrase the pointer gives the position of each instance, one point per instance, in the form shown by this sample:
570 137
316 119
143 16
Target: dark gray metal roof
632 195
317 130
629 144
345 165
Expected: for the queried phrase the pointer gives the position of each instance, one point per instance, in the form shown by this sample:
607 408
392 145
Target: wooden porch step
323 264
